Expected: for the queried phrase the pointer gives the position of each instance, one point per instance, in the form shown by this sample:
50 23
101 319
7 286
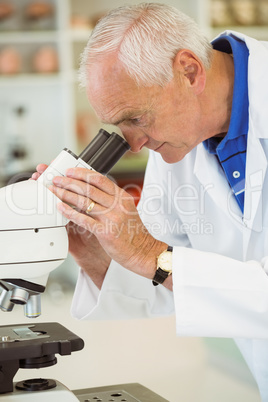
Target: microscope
34 242
33 237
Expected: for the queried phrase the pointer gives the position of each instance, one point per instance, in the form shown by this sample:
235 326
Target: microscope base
123 392
58 394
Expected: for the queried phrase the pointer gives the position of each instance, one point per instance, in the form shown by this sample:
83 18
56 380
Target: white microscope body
33 238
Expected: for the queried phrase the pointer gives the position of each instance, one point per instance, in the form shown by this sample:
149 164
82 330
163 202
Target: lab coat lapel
210 175
256 164
255 172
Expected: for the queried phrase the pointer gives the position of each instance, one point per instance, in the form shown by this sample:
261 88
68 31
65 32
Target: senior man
201 232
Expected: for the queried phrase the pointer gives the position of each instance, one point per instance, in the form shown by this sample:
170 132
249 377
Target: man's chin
171 158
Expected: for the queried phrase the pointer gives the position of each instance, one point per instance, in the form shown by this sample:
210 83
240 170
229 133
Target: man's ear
188 66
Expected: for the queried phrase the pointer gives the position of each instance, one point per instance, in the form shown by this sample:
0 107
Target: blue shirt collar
239 115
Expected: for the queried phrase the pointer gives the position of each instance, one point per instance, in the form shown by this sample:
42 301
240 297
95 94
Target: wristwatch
164 266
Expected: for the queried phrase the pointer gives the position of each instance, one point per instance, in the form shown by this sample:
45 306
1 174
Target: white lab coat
220 259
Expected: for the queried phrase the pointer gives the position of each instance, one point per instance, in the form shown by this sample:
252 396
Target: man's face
166 120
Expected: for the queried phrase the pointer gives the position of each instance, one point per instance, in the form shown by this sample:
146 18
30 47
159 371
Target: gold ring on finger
90 207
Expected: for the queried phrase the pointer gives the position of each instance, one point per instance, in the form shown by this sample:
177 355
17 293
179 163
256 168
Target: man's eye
136 121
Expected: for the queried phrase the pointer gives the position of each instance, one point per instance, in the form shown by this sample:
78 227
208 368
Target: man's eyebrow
125 116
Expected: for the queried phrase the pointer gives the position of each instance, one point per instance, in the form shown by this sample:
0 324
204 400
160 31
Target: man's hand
114 220
88 253
84 246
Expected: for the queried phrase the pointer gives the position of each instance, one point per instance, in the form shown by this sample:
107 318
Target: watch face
165 261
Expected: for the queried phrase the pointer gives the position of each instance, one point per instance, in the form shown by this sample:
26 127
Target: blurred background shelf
28 37
257 32
78 35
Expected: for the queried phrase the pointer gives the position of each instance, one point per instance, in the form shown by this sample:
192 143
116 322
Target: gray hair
146 38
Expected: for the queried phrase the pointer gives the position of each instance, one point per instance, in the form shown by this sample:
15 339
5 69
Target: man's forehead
114 95
106 79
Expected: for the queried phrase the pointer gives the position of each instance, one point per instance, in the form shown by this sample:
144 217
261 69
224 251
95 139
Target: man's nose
135 140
